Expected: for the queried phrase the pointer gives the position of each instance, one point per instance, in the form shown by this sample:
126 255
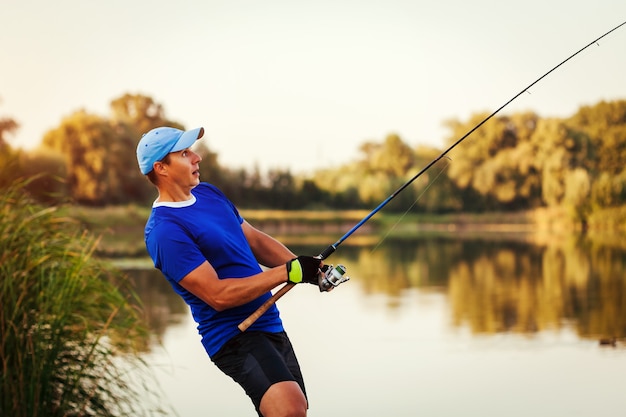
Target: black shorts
257 360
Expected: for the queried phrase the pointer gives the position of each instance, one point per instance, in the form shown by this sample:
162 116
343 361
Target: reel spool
332 277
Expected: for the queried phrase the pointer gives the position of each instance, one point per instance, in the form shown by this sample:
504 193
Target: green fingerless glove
303 269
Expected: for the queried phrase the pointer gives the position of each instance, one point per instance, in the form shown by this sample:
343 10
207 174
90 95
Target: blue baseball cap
157 143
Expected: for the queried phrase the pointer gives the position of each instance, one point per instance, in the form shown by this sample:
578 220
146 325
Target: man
211 255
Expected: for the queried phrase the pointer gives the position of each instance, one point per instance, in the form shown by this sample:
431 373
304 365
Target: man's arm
222 294
268 251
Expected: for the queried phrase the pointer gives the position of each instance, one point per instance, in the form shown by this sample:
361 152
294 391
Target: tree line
513 162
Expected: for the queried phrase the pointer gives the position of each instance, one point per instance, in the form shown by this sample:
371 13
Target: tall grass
68 326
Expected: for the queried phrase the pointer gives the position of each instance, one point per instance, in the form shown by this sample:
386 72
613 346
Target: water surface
433 327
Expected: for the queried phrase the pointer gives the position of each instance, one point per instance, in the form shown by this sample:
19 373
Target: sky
300 85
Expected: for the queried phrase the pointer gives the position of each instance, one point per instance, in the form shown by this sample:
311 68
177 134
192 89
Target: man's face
183 167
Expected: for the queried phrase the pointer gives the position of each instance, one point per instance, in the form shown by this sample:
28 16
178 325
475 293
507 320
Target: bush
70 329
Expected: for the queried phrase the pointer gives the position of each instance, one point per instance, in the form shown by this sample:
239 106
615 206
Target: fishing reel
332 277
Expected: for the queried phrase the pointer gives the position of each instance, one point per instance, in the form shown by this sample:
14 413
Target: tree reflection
504 285
161 306
493 285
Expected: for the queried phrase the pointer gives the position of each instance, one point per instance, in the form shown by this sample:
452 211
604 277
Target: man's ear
160 168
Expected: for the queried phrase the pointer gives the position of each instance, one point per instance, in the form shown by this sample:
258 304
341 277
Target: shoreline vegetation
120 228
71 327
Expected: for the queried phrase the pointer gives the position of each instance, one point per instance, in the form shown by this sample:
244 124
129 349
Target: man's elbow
220 301
218 304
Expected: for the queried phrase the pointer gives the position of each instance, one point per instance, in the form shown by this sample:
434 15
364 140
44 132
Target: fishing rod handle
328 251
243 326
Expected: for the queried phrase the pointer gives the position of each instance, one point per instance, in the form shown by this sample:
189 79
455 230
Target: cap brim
187 139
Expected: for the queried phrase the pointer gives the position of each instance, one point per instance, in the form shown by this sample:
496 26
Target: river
430 326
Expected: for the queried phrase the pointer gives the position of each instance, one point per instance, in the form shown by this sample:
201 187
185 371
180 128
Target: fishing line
331 248
392 228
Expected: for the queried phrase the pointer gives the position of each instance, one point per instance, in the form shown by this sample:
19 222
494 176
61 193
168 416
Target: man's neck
173 195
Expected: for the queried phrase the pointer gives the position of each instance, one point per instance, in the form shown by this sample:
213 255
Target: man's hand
304 269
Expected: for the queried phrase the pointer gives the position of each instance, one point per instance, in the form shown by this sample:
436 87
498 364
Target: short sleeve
174 252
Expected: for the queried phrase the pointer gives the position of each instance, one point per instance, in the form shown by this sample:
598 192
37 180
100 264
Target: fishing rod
332 277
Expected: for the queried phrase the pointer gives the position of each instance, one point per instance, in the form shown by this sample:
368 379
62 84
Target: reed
70 328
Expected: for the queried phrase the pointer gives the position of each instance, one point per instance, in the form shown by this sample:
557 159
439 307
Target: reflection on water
497 286
436 317
491 286
160 305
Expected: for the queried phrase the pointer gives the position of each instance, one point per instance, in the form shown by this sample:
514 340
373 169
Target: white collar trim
175 204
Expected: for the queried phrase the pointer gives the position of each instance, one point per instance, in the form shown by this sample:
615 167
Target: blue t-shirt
181 236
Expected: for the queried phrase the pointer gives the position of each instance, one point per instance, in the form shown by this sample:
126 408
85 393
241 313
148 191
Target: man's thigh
257 360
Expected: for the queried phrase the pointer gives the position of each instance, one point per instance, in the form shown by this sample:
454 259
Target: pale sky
301 84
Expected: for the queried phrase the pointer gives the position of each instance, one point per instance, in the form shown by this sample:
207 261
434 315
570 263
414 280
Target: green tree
100 153
340 184
552 158
141 112
382 169
393 157
605 126
210 168
561 150
44 170
9 167
435 191
609 190
497 161
577 192
87 142
312 196
282 190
